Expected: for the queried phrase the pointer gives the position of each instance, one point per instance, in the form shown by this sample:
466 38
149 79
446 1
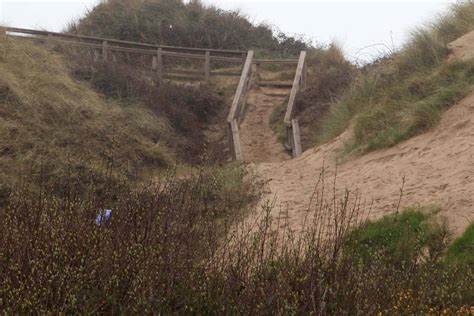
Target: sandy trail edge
438 168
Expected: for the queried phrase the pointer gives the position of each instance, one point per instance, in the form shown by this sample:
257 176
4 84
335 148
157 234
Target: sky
364 29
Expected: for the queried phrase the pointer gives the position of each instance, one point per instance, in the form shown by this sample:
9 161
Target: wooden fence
104 49
238 107
293 139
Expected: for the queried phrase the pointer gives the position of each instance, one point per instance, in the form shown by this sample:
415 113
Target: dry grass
49 120
172 248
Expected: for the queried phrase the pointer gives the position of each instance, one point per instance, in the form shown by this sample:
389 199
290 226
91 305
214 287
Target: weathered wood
159 64
225 73
99 40
96 55
237 150
296 148
153 62
112 48
296 88
238 107
183 77
241 87
292 127
207 66
104 51
277 61
277 84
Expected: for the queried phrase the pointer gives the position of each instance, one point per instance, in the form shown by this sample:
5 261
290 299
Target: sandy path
259 143
438 168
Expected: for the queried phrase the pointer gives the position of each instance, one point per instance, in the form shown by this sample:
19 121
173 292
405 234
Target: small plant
462 249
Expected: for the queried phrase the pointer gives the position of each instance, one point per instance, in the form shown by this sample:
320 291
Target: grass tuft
462 249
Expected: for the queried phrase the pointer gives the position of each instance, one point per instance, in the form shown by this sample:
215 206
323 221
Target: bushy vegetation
179 244
187 109
405 94
175 247
53 123
176 23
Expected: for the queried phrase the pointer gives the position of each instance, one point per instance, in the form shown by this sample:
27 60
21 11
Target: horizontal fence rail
103 48
99 40
293 139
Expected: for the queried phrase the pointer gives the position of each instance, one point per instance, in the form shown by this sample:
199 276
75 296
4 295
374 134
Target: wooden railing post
292 127
159 64
207 66
296 143
153 62
238 108
104 50
96 55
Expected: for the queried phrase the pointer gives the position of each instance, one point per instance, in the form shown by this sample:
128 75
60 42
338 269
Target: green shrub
462 249
399 238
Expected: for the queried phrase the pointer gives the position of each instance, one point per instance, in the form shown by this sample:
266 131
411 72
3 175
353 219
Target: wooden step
277 84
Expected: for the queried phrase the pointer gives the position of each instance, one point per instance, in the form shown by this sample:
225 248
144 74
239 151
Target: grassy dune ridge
404 94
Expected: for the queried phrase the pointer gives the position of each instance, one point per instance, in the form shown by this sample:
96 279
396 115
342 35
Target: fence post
295 127
304 76
104 50
154 62
96 55
207 66
159 64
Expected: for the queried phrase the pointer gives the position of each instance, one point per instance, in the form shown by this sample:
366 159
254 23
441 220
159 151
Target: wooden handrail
291 124
167 50
238 107
100 40
242 89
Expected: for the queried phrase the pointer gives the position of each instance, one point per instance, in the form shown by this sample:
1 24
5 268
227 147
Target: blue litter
103 217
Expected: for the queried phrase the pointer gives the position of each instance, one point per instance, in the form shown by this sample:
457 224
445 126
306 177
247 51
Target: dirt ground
257 138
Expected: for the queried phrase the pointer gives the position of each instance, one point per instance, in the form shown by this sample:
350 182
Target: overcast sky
353 24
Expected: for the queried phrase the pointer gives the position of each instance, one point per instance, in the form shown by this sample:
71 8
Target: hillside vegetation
176 23
81 138
404 94
53 124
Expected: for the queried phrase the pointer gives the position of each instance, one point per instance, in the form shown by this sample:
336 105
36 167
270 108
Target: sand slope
462 48
438 168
